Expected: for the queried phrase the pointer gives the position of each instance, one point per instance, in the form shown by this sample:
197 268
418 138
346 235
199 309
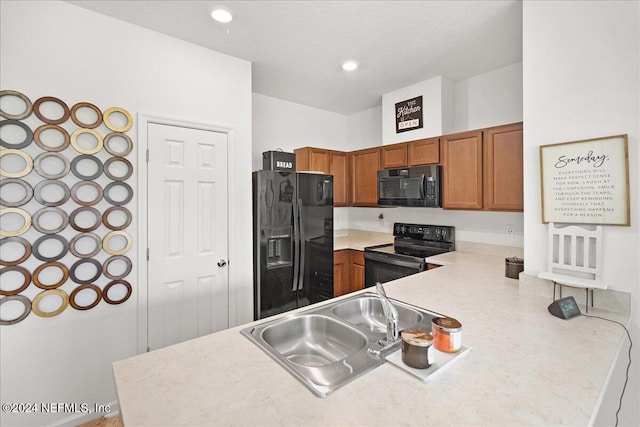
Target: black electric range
412 243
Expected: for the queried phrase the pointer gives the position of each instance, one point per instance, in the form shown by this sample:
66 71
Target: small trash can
513 266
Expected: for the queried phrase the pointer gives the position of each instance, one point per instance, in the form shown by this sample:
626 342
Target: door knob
222 263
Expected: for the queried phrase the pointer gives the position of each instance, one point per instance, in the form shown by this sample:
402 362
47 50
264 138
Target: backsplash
471 226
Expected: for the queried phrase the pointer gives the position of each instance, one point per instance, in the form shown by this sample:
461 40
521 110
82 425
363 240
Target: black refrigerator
292 240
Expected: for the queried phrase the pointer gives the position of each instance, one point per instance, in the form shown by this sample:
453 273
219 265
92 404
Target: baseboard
77 419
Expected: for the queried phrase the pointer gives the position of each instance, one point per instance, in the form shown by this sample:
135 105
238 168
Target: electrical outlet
510 231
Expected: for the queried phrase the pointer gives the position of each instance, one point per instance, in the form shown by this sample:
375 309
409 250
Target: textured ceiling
296 47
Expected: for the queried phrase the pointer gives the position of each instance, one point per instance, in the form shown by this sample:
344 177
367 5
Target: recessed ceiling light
221 14
349 65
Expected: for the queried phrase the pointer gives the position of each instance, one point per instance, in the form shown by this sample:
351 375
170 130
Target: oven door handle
393 261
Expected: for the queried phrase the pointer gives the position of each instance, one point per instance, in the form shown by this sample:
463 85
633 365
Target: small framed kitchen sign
409 114
586 182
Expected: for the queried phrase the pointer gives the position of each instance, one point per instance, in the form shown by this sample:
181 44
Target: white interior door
187 288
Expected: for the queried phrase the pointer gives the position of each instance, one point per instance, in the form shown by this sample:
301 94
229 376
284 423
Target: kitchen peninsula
525 366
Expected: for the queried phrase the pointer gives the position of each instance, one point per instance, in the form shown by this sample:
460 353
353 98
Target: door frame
144 120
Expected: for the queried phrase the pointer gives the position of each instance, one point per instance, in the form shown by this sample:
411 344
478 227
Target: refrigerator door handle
296 244
302 248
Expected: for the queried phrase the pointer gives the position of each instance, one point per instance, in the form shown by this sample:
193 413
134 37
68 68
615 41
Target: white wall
287 125
365 129
490 99
581 80
54 48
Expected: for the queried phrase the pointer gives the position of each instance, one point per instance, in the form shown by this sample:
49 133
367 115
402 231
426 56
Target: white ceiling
296 47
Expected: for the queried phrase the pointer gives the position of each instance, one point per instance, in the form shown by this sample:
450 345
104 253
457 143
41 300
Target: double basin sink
328 346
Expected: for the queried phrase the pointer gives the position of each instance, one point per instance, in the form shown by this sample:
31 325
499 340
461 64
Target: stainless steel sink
313 340
328 346
366 312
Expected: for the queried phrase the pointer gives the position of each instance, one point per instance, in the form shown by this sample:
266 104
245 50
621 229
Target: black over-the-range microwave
417 186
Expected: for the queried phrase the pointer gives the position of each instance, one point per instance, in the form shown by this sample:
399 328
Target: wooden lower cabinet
356 270
340 272
348 271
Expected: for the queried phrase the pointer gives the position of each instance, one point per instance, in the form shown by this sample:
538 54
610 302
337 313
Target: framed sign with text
409 114
586 182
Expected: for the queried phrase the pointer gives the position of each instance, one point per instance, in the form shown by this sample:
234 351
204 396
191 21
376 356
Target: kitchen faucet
390 314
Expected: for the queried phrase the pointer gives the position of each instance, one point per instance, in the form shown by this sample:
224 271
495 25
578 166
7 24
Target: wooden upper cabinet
394 156
339 170
462 170
503 168
312 159
329 162
424 151
364 176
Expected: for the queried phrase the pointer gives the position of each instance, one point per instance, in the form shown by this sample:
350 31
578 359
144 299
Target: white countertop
525 367
359 240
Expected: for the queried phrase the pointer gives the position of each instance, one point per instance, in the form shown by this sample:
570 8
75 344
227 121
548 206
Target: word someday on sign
596 161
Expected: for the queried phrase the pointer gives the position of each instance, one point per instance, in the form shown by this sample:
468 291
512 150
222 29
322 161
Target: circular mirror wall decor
28 163
37 106
26 188
79 166
26 253
96 112
78 133
114 163
39 165
38 137
95 188
116 259
28 106
62 224
40 189
107 218
78 240
97 219
25 311
111 141
116 234
117 185
25 218
117 110
35 305
26 280
116 283
53 265
26 129
47 241
73 271
81 288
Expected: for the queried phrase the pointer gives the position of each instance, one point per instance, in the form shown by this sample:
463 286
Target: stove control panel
443 233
